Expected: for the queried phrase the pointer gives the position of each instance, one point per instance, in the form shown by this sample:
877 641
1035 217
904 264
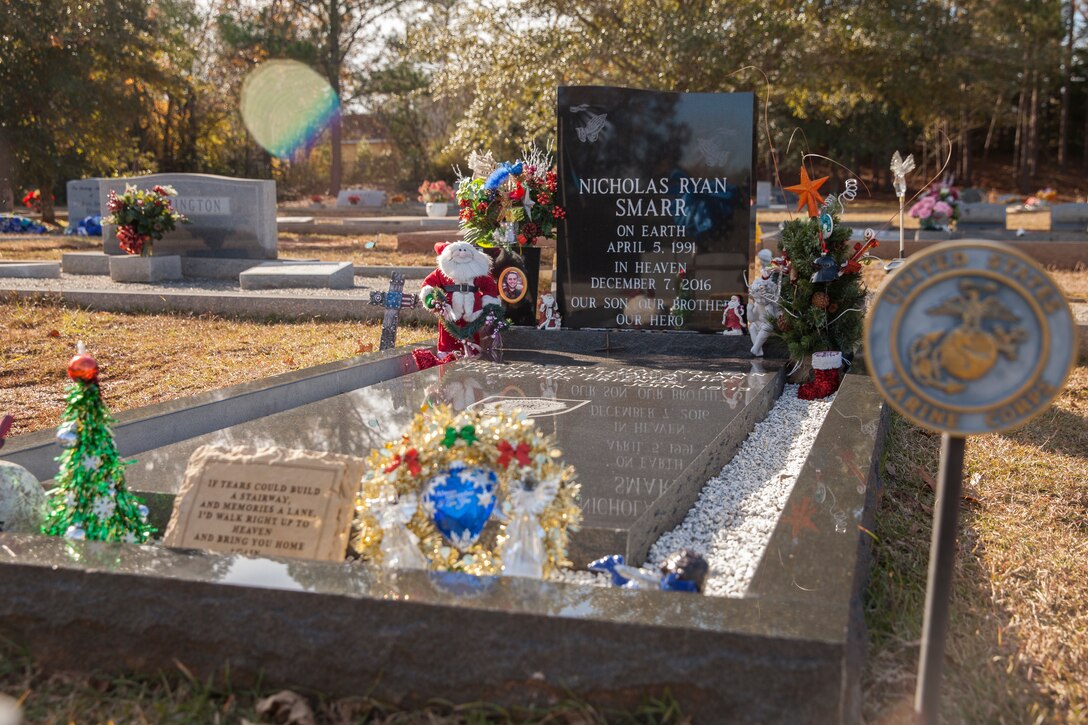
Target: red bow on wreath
411 459
508 451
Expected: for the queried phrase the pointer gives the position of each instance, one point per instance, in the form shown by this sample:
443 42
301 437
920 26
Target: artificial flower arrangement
938 208
435 192
33 200
142 216
508 204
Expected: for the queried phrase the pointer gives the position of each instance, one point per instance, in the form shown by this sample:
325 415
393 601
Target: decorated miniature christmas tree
823 298
91 500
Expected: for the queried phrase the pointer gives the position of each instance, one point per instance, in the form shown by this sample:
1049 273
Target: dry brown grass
1018 645
148 359
1073 282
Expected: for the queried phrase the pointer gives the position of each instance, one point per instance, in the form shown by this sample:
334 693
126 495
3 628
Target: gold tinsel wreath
407 464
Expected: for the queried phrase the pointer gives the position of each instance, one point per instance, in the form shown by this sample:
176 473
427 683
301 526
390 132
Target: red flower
159 190
131 241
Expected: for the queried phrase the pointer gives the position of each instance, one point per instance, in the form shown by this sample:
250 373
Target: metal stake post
942 557
902 246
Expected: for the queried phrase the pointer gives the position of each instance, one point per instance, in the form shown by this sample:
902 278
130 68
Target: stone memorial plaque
266 502
657 188
82 199
228 217
641 438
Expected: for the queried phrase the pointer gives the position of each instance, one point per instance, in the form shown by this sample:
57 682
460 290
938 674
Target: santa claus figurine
462 293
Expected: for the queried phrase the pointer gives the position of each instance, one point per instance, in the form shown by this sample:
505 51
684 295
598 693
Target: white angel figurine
400 547
523 551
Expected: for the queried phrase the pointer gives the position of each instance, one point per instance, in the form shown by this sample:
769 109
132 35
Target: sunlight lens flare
286 105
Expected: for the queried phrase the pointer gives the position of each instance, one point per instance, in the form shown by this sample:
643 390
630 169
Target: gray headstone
982 214
367 199
22 500
763 193
972 196
84 199
227 217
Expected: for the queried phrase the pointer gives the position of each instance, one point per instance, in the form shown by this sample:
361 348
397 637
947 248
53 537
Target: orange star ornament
808 193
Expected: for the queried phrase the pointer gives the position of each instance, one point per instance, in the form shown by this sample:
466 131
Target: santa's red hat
440 247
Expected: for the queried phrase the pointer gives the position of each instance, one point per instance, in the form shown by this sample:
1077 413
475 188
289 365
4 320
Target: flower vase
437 208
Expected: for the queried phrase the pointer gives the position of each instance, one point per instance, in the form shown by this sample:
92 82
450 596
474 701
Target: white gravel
738 509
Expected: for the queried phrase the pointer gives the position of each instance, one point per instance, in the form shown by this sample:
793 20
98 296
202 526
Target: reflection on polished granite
790 650
635 434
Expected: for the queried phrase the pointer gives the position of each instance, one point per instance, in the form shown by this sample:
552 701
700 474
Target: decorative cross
393 301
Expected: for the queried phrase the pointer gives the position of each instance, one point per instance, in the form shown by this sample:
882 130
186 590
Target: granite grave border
791 650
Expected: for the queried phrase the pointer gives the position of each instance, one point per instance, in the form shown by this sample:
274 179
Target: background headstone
982 215
368 199
763 194
227 217
83 199
657 188
266 502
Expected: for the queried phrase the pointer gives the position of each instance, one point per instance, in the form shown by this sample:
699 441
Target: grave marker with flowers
142 217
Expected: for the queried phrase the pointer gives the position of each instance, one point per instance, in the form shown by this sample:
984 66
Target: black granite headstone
657 187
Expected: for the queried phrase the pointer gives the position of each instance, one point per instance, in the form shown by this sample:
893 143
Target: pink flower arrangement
937 208
435 192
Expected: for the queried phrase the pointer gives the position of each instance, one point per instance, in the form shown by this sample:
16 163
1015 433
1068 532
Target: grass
148 359
178 697
1018 645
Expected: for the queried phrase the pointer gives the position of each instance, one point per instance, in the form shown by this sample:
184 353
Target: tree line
108 87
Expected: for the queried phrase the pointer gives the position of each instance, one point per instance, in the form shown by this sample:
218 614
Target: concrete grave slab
30 269
85 263
279 275
1069 217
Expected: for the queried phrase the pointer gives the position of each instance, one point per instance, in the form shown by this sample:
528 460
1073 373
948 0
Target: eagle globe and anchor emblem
947 359
970 337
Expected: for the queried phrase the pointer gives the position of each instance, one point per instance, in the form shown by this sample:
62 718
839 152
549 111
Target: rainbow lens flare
286 105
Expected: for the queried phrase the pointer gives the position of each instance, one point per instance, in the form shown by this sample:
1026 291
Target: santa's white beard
464 272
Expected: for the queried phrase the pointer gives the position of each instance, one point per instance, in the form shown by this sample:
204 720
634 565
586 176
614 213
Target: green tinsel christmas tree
91 501
820 316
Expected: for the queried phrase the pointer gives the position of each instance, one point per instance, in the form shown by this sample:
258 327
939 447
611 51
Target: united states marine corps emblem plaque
970 337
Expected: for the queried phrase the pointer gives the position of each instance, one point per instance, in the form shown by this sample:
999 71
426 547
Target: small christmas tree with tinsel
823 298
91 500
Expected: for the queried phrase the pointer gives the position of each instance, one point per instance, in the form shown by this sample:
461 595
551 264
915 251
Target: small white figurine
763 296
400 547
523 551
549 313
